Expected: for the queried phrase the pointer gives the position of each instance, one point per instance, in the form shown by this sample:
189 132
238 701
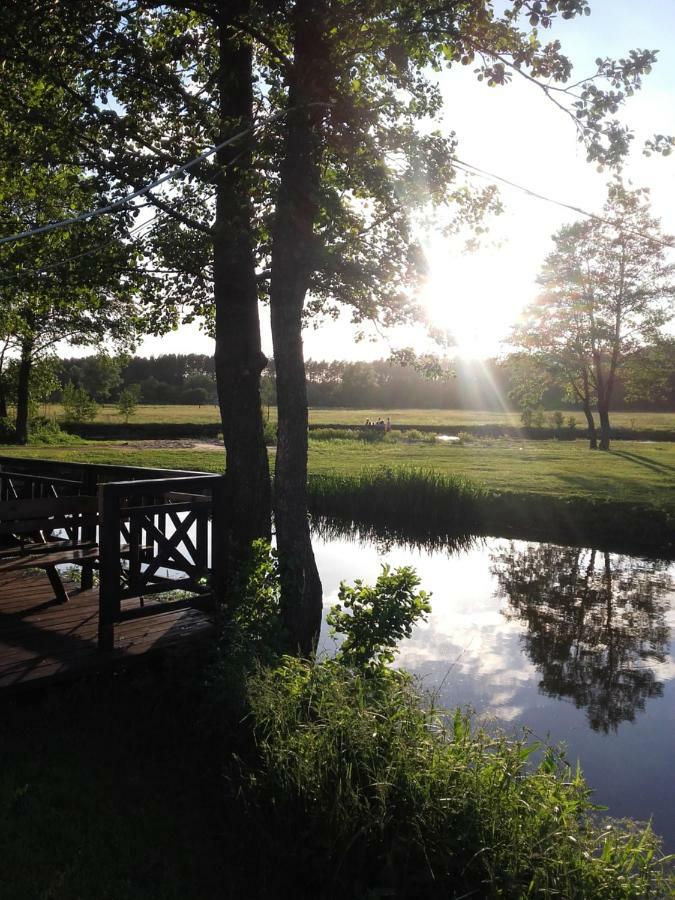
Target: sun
476 297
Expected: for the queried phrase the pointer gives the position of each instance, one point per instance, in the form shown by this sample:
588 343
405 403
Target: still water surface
576 644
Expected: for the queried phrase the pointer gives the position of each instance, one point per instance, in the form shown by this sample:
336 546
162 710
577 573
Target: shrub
571 422
46 432
7 431
557 419
195 396
527 417
78 406
425 437
335 434
374 619
270 433
128 401
539 417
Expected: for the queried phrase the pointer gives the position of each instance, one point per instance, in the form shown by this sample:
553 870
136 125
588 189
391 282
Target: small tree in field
128 401
78 406
607 293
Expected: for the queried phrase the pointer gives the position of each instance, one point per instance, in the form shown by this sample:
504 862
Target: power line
168 176
42 270
471 169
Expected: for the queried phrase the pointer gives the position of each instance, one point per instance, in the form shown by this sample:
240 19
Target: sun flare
476 297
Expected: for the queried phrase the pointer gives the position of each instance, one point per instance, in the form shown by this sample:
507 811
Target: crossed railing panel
154 538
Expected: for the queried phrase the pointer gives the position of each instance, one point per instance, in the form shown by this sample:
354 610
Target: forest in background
471 384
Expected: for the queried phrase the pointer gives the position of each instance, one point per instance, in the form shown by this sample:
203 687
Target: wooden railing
153 531
154 538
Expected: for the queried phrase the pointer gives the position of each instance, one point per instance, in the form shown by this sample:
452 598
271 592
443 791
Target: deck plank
42 640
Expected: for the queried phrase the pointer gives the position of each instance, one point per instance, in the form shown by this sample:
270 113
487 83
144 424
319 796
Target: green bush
557 419
128 401
335 434
7 432
78 406
47 432
374 619
270 433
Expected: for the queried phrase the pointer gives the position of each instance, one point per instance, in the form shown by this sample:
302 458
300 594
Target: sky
515 132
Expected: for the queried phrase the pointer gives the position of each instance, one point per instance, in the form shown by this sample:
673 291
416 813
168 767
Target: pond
575 644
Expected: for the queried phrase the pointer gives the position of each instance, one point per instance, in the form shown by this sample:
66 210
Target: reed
423 506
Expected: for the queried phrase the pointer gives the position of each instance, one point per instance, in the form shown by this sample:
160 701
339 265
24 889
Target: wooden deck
42 640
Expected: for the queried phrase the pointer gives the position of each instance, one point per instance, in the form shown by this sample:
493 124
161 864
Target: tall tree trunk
3 392
23 391
588 412
590 422
239 359
292 260
603 413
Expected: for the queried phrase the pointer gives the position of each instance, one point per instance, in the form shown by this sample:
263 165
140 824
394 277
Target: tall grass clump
429 502
364 793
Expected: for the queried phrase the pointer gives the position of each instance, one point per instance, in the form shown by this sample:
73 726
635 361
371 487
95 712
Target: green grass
459 417
157 413
633 472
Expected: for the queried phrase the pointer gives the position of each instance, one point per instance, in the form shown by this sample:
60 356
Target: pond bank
418 505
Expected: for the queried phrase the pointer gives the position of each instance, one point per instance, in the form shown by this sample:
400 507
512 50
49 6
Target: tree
355 163
128 401
649 374
607 293
101 375
78 406
50 291
317 209
181 76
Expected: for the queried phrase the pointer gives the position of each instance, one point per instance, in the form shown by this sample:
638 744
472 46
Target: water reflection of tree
595 623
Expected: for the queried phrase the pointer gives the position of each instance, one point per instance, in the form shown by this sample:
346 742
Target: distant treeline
171 378
190 378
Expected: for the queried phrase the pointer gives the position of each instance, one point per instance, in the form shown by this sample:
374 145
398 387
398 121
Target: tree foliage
607 294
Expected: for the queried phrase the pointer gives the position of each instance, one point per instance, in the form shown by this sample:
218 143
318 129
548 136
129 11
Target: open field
634 472
155 414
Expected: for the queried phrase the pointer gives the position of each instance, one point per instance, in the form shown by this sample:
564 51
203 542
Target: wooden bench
30 526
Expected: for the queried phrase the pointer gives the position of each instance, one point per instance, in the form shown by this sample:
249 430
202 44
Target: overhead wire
167 176
475 170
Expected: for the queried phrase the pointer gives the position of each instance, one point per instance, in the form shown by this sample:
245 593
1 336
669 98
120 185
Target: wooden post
88 532
109 556
218 525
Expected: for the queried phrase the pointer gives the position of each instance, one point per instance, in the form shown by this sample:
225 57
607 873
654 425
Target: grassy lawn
639 473
453 417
